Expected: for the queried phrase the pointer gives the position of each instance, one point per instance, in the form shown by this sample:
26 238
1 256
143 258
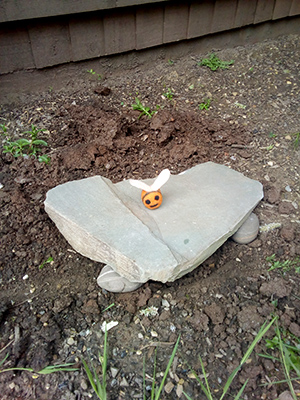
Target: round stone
248 231
113 282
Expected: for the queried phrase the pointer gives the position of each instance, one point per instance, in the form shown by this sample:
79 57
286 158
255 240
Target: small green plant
170 62
98 386
92 72
205 105
169 94
296 140
50 369
108 307
4 129
288 347
48 261
144 110
283 266
44 158
156 391
150 311
214 63
25 147
270 147
205 386
239 105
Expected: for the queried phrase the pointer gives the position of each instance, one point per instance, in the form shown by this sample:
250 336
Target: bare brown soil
52 313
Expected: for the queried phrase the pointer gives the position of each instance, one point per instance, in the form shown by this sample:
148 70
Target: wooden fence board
175 22
119 32
224 15
200 18
245 13
295 8
149 27
282 8
50 43
264 11
87 37
15 50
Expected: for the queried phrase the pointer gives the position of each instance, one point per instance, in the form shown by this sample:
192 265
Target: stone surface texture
248 231
113 282
107 222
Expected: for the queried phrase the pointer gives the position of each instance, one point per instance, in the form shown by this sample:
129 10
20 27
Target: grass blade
284 363
264 328
57 368
153 388
17 369
206 389
4 359
144 378
241 390
90 376
187 396
98 387
167 369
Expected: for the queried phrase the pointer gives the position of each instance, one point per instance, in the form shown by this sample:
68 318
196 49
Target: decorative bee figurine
151 195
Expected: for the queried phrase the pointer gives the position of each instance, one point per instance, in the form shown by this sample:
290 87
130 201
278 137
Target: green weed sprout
205 386
168 94
289 356
205 105
156 391
283 266
45 371
98 387
296 140
48 261
92 72
214 63
144 110
26 147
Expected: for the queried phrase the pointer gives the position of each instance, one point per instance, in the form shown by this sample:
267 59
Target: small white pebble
165 304
70 341
25 277
83 385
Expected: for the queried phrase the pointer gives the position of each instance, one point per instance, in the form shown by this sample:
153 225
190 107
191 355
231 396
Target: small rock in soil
215 313
249 318
285 396
102 90
276 287
288 233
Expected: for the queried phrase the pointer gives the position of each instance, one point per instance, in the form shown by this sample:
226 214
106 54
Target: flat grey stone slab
106 222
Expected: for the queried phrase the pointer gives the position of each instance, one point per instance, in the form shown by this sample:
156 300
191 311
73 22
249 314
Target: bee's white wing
160 180
140 185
